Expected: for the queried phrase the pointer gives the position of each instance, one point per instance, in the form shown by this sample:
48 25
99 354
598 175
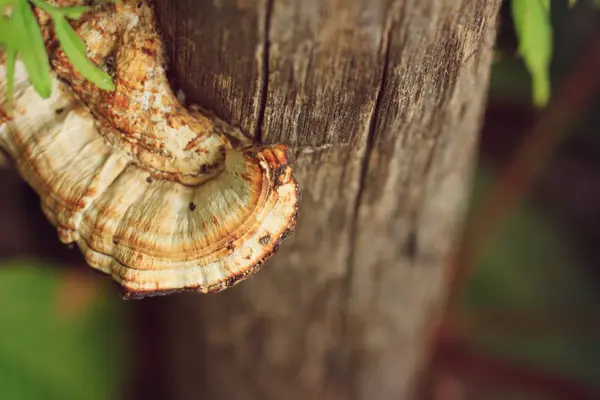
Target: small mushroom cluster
161 197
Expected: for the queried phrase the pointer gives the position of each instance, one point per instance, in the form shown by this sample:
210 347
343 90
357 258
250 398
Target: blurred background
524 321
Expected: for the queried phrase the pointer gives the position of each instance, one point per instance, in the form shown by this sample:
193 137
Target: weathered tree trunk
381 102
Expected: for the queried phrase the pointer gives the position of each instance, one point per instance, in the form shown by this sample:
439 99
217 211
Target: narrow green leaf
11 58
72 44
9 49
6 31
77 41
534 30
21 35
33 51
43 5
74 12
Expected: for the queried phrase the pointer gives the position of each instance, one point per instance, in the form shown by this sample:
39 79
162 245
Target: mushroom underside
153 235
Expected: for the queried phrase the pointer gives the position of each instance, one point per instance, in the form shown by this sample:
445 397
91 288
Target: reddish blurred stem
469 364
567 105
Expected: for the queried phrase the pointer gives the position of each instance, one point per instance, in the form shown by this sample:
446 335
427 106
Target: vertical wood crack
350 359
264 74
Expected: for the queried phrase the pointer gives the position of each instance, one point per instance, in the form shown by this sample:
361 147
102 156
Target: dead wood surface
381 103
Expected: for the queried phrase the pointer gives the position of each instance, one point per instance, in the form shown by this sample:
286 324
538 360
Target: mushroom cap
154 232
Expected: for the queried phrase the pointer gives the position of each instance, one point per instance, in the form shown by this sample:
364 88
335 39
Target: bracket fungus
161 197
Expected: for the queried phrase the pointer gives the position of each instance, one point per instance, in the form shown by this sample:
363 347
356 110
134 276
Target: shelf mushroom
161 197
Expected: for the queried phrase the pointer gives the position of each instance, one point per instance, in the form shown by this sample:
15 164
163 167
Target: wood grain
224 68
381 102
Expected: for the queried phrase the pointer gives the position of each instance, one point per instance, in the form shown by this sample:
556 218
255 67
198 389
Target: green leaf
74 12
11 58
11 55
21 35
72 45
33 53
534 31
43 5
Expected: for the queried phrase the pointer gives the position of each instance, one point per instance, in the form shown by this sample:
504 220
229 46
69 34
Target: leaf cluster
21 36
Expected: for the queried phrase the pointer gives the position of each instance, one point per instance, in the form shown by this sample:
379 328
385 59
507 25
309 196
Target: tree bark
380 102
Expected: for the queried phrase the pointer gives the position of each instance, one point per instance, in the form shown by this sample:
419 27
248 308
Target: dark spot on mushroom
192 206
229 281
139 5
281 175
287 233
59 111
222 150
205 168
149 179
115 241
149 51
265 239
109 65
230 246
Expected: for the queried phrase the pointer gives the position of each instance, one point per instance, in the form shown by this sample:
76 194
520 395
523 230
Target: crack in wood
264 72
366 157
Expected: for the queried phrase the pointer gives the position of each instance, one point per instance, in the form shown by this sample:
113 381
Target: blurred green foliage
55 344
532 301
